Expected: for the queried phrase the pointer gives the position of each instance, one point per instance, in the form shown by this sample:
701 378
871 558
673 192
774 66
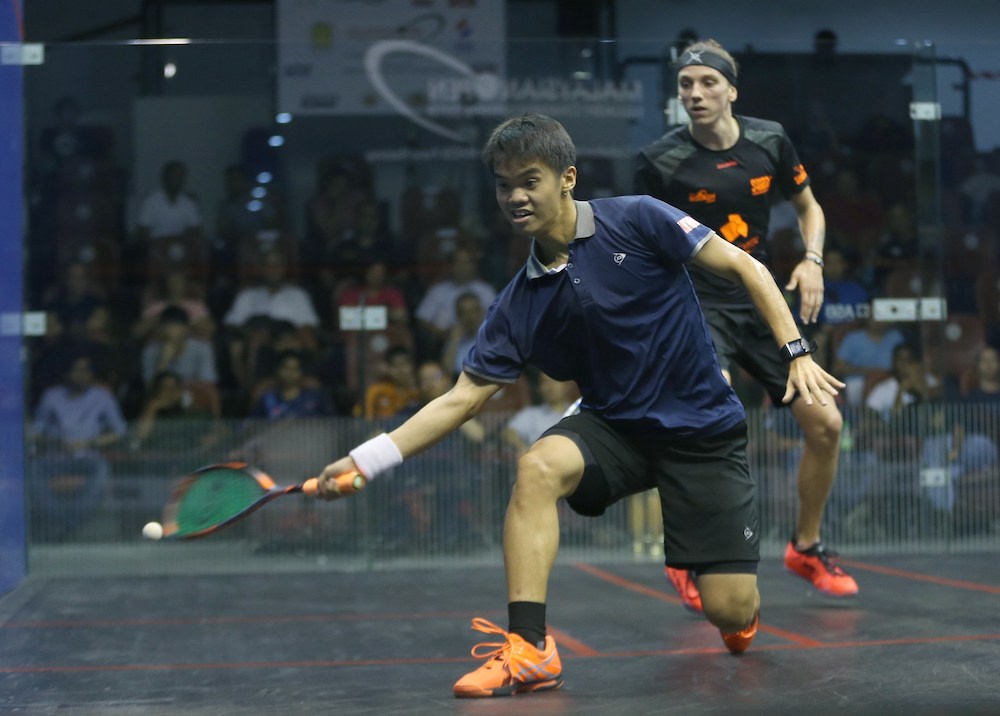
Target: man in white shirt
436 312
169 211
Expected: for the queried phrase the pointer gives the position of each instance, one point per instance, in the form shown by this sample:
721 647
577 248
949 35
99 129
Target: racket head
214 497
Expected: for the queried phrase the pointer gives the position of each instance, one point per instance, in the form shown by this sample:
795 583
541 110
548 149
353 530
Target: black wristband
796 349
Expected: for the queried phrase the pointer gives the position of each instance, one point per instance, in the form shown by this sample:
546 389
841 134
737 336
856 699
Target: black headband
709 59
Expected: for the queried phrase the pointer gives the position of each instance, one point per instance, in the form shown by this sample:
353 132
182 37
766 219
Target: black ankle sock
527 620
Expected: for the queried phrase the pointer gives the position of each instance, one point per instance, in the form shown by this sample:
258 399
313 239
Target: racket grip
347 482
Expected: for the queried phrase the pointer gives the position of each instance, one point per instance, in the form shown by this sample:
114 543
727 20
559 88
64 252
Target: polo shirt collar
585 228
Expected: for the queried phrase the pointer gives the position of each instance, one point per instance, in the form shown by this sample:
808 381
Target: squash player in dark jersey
725 170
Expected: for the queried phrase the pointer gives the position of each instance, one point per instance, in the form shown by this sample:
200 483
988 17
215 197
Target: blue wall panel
13 561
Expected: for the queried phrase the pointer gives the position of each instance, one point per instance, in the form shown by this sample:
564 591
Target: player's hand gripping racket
216 496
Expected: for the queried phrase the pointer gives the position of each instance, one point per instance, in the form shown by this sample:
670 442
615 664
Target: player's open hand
808 379
807 278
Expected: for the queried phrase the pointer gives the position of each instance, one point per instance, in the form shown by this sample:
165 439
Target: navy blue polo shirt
621 318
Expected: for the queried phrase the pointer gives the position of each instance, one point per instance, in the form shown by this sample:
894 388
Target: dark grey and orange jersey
730 191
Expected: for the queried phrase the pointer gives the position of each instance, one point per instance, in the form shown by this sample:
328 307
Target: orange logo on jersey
702 195
737 232
760 185
800 174
735 229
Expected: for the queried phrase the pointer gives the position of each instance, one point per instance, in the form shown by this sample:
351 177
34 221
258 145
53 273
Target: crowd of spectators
255 321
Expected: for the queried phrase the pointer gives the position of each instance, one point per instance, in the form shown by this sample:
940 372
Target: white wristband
376 456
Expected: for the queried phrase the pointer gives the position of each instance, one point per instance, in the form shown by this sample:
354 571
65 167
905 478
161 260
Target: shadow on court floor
923 638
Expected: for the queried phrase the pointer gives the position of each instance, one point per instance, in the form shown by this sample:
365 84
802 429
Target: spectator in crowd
277 298
176 350
331 210
432 496
896 248
366 236
864 354
436 311
75 298
171 421
852 212
985 384
469 314
528 423
170 211
73 423
397 391
174 288
376 291
908 384
249 319
53 354
291 396
846 300
977 188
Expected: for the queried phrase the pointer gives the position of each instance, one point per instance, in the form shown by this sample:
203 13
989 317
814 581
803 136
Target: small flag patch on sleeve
688 224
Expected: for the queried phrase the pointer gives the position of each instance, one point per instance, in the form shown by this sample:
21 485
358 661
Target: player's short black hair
527 138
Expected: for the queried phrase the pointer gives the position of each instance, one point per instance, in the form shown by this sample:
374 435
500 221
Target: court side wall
13 561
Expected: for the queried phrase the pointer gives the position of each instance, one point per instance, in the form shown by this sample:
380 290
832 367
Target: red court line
575 646
662 596
321 664
918 577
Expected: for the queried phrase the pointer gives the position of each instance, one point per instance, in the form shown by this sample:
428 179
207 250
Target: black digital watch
796 349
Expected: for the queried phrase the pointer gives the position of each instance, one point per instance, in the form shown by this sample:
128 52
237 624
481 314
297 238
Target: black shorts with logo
742 337
707 494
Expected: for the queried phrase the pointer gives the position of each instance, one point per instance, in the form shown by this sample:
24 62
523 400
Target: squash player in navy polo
605 299
725 171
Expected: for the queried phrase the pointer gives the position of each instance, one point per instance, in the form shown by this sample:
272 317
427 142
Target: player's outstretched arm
433 422
805 376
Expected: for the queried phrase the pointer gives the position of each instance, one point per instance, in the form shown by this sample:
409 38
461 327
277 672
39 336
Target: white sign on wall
370 57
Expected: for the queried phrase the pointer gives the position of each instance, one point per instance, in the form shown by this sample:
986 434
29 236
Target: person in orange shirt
397 391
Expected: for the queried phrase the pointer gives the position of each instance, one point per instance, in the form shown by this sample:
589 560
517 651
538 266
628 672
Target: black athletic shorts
742 337
706 492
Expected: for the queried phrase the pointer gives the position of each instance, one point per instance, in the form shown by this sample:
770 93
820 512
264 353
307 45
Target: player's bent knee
729 600
537 472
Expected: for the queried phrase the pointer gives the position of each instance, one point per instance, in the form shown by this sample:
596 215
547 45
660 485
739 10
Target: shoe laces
497 650
826 556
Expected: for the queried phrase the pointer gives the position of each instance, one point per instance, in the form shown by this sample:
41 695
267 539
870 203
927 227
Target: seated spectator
176 350
75 298
436 311
282 337
169 211
376 291
73 423
977 188
851 211
171 420
364 237
174 288
469 314
53 354
845 299
276 297
432 496
864 354
291 396
249 318
528 424
331 210
897 247
397 391
984 386
908 384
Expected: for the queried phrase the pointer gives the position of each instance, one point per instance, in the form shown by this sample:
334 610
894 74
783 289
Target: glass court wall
357 181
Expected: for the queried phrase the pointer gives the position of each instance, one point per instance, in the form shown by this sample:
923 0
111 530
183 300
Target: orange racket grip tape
347 483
